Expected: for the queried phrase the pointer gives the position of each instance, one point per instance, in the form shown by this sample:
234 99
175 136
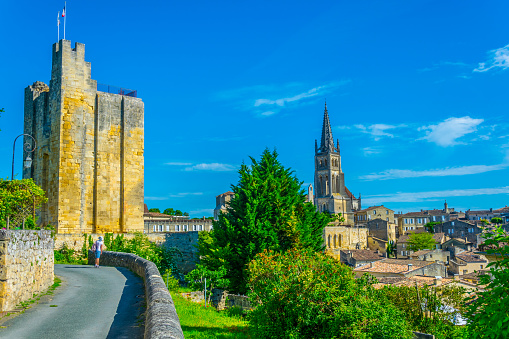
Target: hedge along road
103 302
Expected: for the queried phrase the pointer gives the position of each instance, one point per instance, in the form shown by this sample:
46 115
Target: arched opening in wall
325 162
320 163
335 241
328 241
337 184
333 181
326 184
320 191
324 208
339 240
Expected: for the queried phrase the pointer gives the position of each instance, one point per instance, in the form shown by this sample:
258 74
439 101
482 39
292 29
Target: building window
387 212
452 223
374 212
387 218
402 253
177 228
194 227
403 245
167 228
155 228
443 218
481 267
160 228
434 218
465 271
201 227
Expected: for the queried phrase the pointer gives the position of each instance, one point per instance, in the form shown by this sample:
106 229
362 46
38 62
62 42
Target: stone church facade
89 157
331 193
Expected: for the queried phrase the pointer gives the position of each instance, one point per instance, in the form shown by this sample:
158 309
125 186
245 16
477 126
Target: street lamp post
27 163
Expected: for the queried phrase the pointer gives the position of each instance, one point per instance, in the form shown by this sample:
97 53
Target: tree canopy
18 198
430 226
155 210
269 212
496 220
421 241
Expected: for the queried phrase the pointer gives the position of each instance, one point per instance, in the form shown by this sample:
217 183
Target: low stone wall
26 265
161 319
222 299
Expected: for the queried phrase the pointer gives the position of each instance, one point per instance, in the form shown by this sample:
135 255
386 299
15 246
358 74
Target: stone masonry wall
89 157
26 265
161 319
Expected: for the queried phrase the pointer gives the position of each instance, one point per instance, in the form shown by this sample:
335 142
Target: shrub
304 294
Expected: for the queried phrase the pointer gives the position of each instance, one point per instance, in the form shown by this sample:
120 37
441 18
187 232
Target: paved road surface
103 302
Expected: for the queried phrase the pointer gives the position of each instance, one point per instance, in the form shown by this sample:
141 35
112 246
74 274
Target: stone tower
89 156
331 194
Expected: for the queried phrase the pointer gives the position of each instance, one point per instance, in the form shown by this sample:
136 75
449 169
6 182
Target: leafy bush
215 279
304 294
67 255
489 314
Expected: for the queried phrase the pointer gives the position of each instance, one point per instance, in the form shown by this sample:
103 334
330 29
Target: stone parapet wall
75 241
161 319
221 300
26 265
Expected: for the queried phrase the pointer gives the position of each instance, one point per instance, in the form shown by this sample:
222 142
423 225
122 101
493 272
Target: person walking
98 248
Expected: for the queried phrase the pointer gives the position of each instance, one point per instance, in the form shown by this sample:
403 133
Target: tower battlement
89 158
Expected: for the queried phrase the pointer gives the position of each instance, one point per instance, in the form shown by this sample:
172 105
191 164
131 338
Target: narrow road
103 302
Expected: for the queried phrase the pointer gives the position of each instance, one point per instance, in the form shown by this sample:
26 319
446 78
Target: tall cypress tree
269 211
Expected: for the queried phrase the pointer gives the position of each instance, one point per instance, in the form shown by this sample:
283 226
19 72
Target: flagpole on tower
64 15
58 26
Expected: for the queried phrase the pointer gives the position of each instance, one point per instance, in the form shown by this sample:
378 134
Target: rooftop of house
420 252
364 255
374 208
349 194
419 280
392 266
458 240
471 257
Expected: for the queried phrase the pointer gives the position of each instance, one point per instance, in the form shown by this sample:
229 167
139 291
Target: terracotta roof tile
470 257
392 266
363 255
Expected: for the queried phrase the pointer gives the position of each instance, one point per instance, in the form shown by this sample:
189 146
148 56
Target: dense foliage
155 210
421 241
215 279
18 198
428 309
488 314
496 220
430 226
269 212
305 294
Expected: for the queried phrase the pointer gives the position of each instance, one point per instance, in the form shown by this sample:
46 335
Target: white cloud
448 131
178 163
432 195
281 102
267 113
156 198
441 172
184 194
498 58
217 167
377 131
371 151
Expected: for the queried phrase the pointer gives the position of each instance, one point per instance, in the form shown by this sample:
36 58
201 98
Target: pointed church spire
327 142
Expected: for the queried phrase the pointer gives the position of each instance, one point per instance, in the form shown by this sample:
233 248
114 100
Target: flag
63 12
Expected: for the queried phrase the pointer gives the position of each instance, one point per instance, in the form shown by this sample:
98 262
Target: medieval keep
89 156
330 193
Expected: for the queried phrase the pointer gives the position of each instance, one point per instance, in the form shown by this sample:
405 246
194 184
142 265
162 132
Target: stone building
374 212
467 262
356 258
409 222
89 156
222 201
161 223
402 244
331 193
460 229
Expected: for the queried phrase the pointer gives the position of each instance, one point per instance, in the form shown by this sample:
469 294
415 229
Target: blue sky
416 91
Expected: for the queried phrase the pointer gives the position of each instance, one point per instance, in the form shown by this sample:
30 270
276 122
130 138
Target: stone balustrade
161 319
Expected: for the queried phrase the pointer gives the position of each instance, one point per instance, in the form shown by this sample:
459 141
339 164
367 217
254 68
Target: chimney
409 267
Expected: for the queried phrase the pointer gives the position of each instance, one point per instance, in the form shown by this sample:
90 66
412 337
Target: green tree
18 198
186 214
421 241
169 211
488 315
215 278
156 210
496 220
306 294
178 212
430 226
269 211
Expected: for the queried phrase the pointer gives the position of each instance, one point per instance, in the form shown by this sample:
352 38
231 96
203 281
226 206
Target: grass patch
199 322
53 305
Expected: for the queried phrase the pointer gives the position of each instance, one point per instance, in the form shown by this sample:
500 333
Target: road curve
103 302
